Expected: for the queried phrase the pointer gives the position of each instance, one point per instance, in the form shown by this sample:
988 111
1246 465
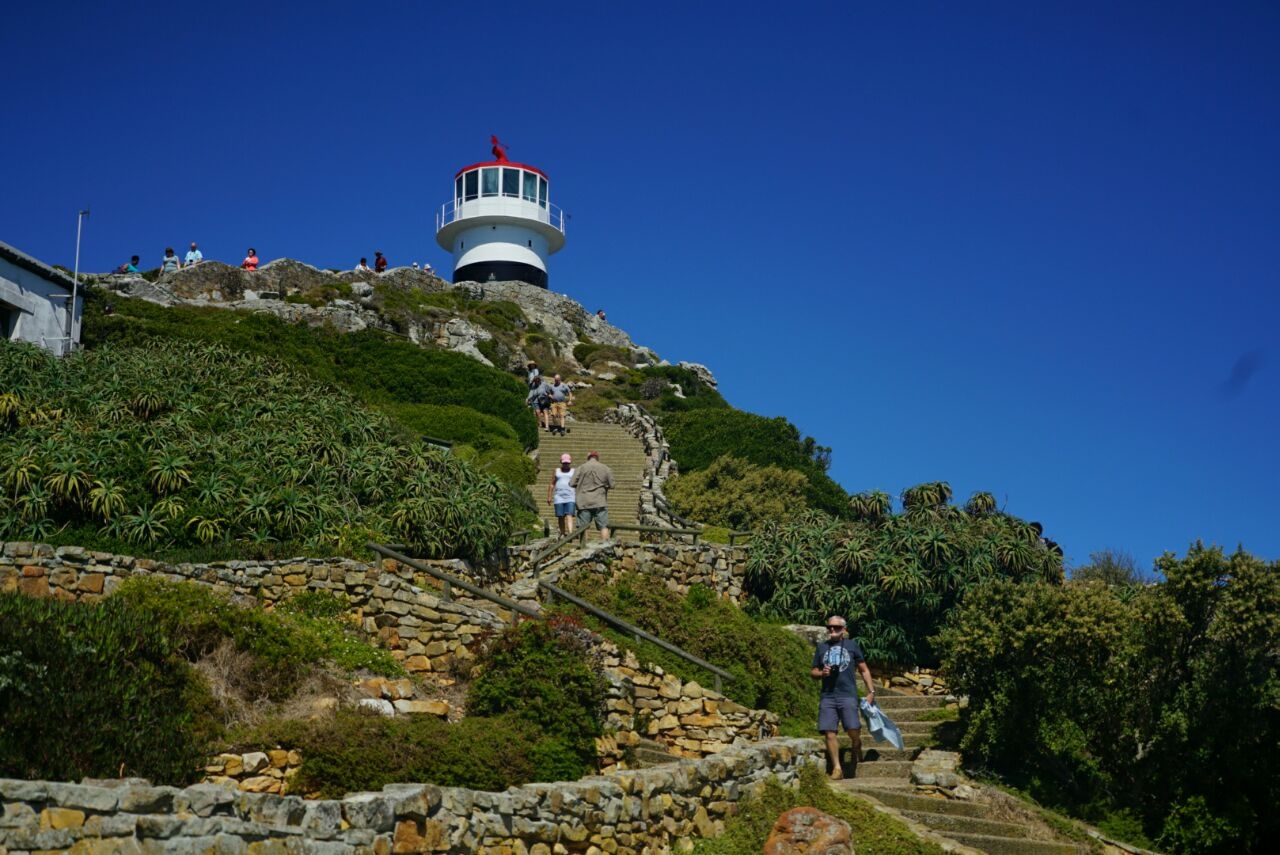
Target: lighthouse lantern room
501 224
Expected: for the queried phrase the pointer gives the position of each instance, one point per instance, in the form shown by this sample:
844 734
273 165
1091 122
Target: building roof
21 259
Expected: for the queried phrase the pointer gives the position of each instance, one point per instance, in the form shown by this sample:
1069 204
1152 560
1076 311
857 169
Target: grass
873 833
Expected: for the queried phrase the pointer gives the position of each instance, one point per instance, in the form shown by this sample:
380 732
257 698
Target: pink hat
564 458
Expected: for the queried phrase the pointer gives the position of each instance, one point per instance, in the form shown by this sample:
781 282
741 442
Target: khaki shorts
559 408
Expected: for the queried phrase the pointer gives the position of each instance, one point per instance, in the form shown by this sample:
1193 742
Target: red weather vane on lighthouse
499 149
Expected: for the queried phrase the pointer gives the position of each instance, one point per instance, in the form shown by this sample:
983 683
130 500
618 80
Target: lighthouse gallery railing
453 211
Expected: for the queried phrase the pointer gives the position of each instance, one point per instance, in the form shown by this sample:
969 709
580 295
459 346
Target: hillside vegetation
894 576
168 448
435 392
1153 710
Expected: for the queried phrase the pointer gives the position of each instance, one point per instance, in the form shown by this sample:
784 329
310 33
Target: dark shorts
565 509
838 714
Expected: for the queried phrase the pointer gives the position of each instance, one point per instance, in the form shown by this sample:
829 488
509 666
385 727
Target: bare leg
855 753
833 754
604 533
570 521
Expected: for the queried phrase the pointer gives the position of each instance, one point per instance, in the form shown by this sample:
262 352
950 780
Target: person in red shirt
251 260
379 262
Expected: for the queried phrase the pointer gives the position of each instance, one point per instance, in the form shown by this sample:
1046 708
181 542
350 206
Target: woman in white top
564 497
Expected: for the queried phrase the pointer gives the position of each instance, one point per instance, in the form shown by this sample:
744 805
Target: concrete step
904 798
899 703
884 769
1016 845
948 824
876 752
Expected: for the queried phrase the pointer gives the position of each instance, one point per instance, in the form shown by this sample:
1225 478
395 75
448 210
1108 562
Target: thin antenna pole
75 284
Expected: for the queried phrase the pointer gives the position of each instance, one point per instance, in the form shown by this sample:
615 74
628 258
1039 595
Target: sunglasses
833 627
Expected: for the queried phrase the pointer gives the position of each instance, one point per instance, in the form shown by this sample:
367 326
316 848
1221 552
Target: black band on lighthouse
501 271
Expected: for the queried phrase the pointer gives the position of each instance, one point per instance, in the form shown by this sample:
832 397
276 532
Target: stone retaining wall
424 631
659 466
429 634
628 813
716 566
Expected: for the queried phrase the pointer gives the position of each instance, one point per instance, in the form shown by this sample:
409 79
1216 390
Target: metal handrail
556 591
636 632
657 529
452 211
450 581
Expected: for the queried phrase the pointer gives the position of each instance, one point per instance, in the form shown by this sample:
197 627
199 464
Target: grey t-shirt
560 391
843 656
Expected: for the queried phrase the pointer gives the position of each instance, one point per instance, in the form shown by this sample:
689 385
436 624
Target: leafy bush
875 832
893 576
378 369
283 645
354 751
1113 699
542 672
770 666
699 437
456 424
96 690
736 494
170 448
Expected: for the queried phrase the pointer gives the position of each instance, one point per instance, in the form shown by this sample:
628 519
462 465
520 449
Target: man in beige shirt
593 481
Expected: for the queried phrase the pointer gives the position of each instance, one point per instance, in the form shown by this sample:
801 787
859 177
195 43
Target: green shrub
372 366
173 448
542 672
355 751
736 494
199 620
894 577
455 423
1109 698
698 437
327 618
96 690
770 666
284 645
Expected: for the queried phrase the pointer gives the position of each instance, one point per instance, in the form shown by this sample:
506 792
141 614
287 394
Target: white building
35 301
501 223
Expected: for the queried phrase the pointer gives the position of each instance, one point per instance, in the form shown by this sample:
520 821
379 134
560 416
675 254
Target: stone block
33 586
436 708
55 818
81 797
255 761
369 811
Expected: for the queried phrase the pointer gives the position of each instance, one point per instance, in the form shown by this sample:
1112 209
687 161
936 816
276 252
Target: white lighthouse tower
501 224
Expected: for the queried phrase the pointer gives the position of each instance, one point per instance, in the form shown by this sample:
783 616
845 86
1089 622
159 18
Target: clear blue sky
1016 246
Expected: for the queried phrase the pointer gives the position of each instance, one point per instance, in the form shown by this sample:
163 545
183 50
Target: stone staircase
885 775
619 450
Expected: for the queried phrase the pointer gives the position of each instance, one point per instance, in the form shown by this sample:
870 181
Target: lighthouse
501 224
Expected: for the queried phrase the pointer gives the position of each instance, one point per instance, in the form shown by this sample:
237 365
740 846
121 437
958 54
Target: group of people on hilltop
380 265
581 496
170 262
550 400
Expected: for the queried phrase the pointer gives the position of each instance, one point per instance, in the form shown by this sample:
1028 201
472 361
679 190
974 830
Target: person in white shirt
563 496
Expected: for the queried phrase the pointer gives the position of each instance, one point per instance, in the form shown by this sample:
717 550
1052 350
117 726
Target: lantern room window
511 182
